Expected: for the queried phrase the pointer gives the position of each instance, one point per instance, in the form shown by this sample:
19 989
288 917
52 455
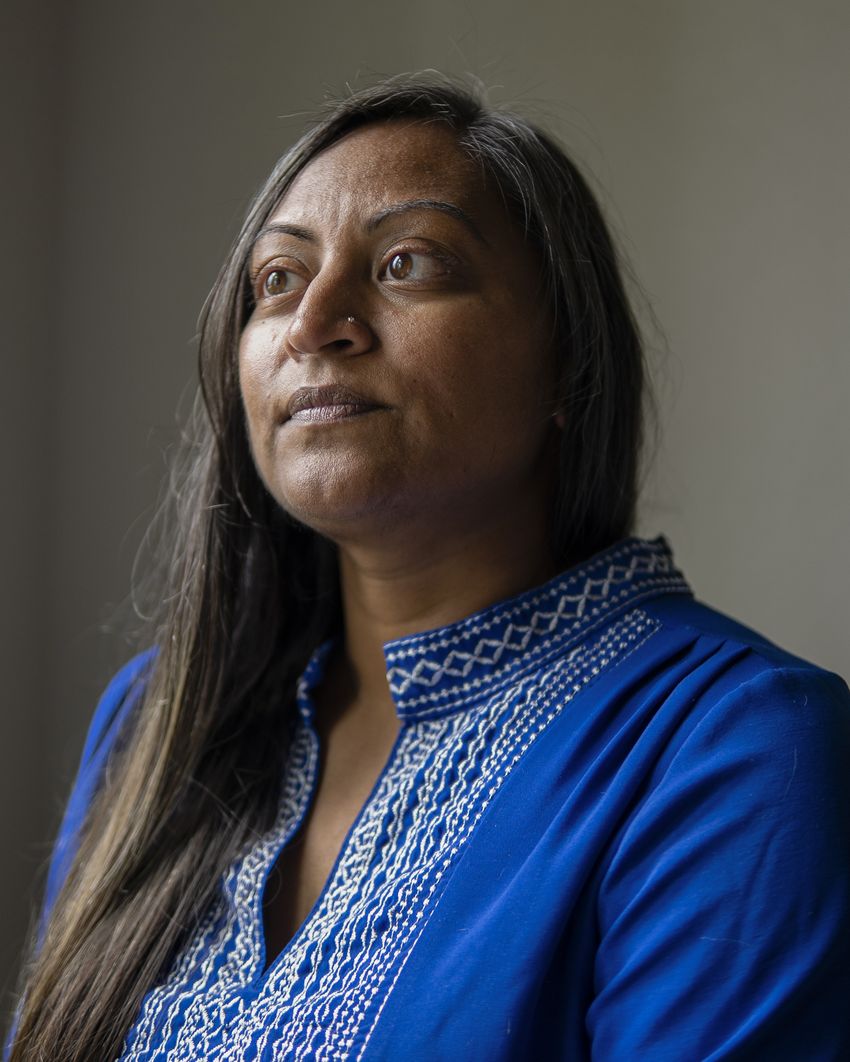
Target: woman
432 760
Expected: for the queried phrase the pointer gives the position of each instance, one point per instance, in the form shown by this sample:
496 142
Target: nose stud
351 320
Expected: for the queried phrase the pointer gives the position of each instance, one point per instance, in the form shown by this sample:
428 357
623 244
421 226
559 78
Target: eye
275 279
401 266
414 265
278 281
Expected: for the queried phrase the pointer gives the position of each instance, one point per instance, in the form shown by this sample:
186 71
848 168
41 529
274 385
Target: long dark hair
248 593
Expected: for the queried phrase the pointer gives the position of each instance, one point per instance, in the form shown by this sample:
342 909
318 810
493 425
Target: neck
387 594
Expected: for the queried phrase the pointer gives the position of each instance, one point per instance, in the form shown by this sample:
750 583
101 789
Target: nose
325 322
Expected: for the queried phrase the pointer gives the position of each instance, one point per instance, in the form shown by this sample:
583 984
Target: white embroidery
325 988
324 995
530 630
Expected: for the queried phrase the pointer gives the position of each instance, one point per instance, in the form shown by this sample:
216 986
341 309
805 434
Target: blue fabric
113 708
614 826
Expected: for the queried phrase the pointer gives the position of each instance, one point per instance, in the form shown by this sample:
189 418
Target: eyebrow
376 220
425 204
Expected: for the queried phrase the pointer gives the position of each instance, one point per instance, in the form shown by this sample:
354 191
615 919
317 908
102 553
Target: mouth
327 404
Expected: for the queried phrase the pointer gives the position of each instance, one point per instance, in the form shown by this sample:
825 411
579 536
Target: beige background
135 135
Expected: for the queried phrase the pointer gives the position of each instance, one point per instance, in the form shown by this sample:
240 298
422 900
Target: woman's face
391 276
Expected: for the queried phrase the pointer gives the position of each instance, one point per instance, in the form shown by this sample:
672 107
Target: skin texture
451 478
438 500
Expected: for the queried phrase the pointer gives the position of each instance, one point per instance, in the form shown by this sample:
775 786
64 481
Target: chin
339 503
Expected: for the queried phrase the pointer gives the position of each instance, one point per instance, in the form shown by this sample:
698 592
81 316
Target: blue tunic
614 826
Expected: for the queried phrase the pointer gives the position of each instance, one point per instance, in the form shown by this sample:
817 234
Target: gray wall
30 82
717 134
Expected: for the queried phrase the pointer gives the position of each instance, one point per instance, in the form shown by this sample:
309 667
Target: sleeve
112 710
724 912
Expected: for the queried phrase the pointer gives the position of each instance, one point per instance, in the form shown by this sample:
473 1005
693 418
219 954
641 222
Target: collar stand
449 668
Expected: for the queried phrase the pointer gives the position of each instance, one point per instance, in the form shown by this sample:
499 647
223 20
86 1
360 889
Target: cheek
495 369
255 385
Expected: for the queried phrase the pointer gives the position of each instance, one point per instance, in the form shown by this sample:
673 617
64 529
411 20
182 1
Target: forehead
386 163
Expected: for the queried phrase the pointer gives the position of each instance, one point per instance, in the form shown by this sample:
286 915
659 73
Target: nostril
315 329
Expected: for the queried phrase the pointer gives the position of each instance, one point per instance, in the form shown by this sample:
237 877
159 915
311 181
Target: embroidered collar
449 668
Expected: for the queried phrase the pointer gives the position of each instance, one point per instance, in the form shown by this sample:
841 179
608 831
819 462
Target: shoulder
682 612
730 736
730 679
754 743
725 895
122 691
116 703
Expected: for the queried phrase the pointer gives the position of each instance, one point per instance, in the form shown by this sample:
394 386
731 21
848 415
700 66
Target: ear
560 420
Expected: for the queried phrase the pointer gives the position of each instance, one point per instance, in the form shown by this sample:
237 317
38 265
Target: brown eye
275 282
400 266
417 266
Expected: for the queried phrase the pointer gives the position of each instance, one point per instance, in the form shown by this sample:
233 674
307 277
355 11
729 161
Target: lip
332 402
